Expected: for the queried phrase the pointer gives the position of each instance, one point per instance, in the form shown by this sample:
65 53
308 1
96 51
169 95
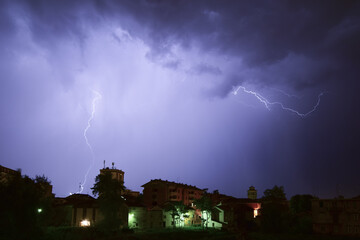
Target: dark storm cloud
60 19
263 34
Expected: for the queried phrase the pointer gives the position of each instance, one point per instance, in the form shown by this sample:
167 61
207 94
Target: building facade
337 216
6 173
158 192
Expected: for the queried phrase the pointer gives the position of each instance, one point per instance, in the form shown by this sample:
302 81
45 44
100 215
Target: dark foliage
24 206
176 209
205 205
275 214
276 193
110 200
300 206
301 203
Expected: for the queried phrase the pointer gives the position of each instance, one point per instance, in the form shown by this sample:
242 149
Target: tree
274 210
301 203
205 205
276 193
24 208
300 206
177 211
110 200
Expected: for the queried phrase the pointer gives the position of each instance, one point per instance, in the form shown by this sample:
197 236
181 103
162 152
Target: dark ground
186 234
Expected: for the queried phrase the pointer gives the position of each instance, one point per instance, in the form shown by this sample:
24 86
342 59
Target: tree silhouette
276 193
205 205
274 210
300 206
177 211
110 200
25 209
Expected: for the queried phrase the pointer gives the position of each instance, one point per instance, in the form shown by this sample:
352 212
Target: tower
252 193
115 173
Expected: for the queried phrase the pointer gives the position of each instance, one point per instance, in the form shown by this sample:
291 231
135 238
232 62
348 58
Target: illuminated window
85 223
255 213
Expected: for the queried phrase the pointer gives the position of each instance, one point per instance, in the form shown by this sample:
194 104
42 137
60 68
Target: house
84 210
137 212
234 213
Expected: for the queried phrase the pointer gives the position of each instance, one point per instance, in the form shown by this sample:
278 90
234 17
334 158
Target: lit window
255 213
85 223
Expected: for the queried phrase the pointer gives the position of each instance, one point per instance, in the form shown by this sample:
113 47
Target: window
84 213
75 213
321 204
85 223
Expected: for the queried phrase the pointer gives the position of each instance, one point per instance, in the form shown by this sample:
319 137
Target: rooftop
155 181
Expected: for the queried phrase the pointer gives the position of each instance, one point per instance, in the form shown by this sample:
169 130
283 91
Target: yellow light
255 213
85 223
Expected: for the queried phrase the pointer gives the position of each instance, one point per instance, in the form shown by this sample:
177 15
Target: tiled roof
154 181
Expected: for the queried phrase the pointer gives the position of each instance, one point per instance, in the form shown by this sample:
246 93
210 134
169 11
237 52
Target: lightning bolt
95 99
268 104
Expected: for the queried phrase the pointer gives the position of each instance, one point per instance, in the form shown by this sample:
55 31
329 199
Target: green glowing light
39 210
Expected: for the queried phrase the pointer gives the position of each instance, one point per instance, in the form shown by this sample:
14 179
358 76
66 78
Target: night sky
198 92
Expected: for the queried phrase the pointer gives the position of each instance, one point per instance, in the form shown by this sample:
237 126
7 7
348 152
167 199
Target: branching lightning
268 103
95 99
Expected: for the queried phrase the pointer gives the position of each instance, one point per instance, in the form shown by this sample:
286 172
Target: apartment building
157 192
337 216
6 173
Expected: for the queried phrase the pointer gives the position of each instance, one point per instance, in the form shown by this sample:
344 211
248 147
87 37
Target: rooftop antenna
104 164
113 165
79 187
